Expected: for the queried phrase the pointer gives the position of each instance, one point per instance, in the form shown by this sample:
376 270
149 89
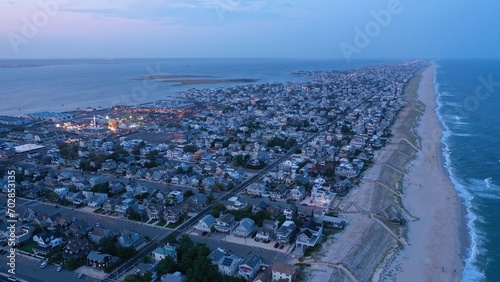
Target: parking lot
28 268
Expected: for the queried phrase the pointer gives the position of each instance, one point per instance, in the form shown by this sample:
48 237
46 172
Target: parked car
276 245
80 276
59 269
44 264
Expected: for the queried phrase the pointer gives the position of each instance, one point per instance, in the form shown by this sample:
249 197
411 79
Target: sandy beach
433 253
408 177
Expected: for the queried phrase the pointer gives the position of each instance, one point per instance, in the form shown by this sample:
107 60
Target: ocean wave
471 272
463 134
451 104
484 188
488 181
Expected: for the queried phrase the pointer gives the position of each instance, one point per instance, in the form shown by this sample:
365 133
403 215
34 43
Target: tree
217 208
281 219
68 151
238 160
190 149
260 216
203 270
108 245
219 187
101 188
167 265
146 277
188 193
171 239
125 253
52 196
210 198
227 278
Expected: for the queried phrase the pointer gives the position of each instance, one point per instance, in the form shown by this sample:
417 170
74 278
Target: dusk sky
247 29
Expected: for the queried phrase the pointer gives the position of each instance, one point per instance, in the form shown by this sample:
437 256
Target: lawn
28 246
174 225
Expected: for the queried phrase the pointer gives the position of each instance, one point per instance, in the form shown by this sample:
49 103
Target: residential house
208 183
173 277
284 272
225 223
298 193
334 222
57 221
79 199
129 239
79 228
290 212
234 204
279 192
285 232
98 260
142 268
126 206
216 255
249 268
175 197
61 192
46 241
161 252
245 228
195 203
70 196
228 264
256 189
173 214
264 276
97 180
23 233
270 224
309 235
116 187
97 200
274 211
98 233
110 205
205 223
154 211
264 235
77 247
23 213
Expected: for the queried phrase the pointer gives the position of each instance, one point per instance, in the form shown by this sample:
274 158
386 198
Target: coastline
437 240
366 248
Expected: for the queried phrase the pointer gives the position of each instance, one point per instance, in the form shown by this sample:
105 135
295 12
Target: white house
98 199
205 223
245 228
283 272
164 251
48 239
249 267
228 264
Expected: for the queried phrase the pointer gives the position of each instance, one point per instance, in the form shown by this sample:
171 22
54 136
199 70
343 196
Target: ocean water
469 108
28 86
